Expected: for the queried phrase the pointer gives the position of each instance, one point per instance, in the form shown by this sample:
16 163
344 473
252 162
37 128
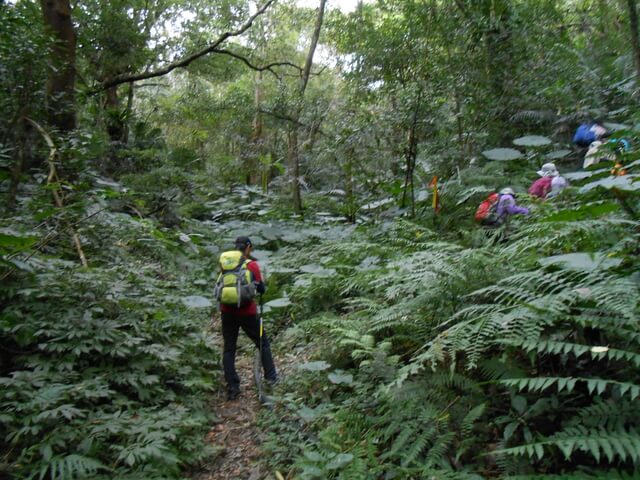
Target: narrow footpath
235 436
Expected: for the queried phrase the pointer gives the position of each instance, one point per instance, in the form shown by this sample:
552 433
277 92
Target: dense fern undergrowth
435 349
510 353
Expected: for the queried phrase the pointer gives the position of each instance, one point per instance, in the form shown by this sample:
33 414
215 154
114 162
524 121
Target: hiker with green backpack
238 284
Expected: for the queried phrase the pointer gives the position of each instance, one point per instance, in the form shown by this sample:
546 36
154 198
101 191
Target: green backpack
234 286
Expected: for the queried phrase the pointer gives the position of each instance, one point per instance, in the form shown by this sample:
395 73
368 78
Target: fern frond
557 347
611 414
419 444
545 238
439 449
579 475
71 466
619 444
470 418
539 384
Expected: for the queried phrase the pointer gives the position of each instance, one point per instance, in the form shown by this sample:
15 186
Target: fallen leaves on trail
235 436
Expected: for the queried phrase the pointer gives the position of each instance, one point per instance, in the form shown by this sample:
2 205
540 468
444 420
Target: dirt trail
236 434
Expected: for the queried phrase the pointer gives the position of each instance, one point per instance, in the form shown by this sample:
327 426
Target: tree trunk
115 125
293 150
62 65
256 135
294 169
127 117
500 61
350 201
411 154
635 41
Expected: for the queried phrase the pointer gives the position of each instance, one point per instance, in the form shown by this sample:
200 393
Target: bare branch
282 116
289 118
259 69
55 191
126 78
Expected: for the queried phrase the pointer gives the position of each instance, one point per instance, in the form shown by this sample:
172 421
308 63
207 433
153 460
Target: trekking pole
257 364
261 329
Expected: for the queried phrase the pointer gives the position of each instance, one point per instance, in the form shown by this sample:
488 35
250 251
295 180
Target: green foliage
511 358
104 370
428 348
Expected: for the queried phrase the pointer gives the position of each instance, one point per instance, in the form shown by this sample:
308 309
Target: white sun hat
548 170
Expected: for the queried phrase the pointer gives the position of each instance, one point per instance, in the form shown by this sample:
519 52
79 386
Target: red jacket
541 187
250 308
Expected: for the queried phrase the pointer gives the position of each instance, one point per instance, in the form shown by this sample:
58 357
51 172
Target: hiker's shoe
233 394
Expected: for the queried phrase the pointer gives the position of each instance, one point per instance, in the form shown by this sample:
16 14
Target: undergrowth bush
105 371
512 354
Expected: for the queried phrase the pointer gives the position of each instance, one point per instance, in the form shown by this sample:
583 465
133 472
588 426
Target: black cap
243 242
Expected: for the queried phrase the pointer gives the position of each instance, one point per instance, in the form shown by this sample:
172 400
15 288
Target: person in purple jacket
507 206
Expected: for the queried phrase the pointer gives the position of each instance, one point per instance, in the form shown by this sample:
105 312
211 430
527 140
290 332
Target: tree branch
312 48
289 118
252 66
184 62
53 177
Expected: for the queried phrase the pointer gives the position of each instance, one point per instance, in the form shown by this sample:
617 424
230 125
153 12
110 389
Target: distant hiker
236 288
543 186
600 151
497 208
594 155
557 185
589 132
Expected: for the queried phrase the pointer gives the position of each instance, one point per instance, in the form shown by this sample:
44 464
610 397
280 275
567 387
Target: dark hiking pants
250 324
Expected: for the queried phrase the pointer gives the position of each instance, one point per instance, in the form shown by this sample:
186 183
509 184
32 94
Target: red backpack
487 209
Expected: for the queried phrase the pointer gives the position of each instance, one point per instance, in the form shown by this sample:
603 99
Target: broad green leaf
317 270
532 141
584 211
339 377
581 261
278 303
339 461
625 183
519 403
556 155
308 414
509 430
312 456
315 366
196 301
502 154
574 176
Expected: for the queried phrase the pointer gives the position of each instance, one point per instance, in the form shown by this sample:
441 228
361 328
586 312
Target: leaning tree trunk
62 65
635 41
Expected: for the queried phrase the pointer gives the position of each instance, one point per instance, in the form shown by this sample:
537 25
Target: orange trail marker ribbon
436 195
